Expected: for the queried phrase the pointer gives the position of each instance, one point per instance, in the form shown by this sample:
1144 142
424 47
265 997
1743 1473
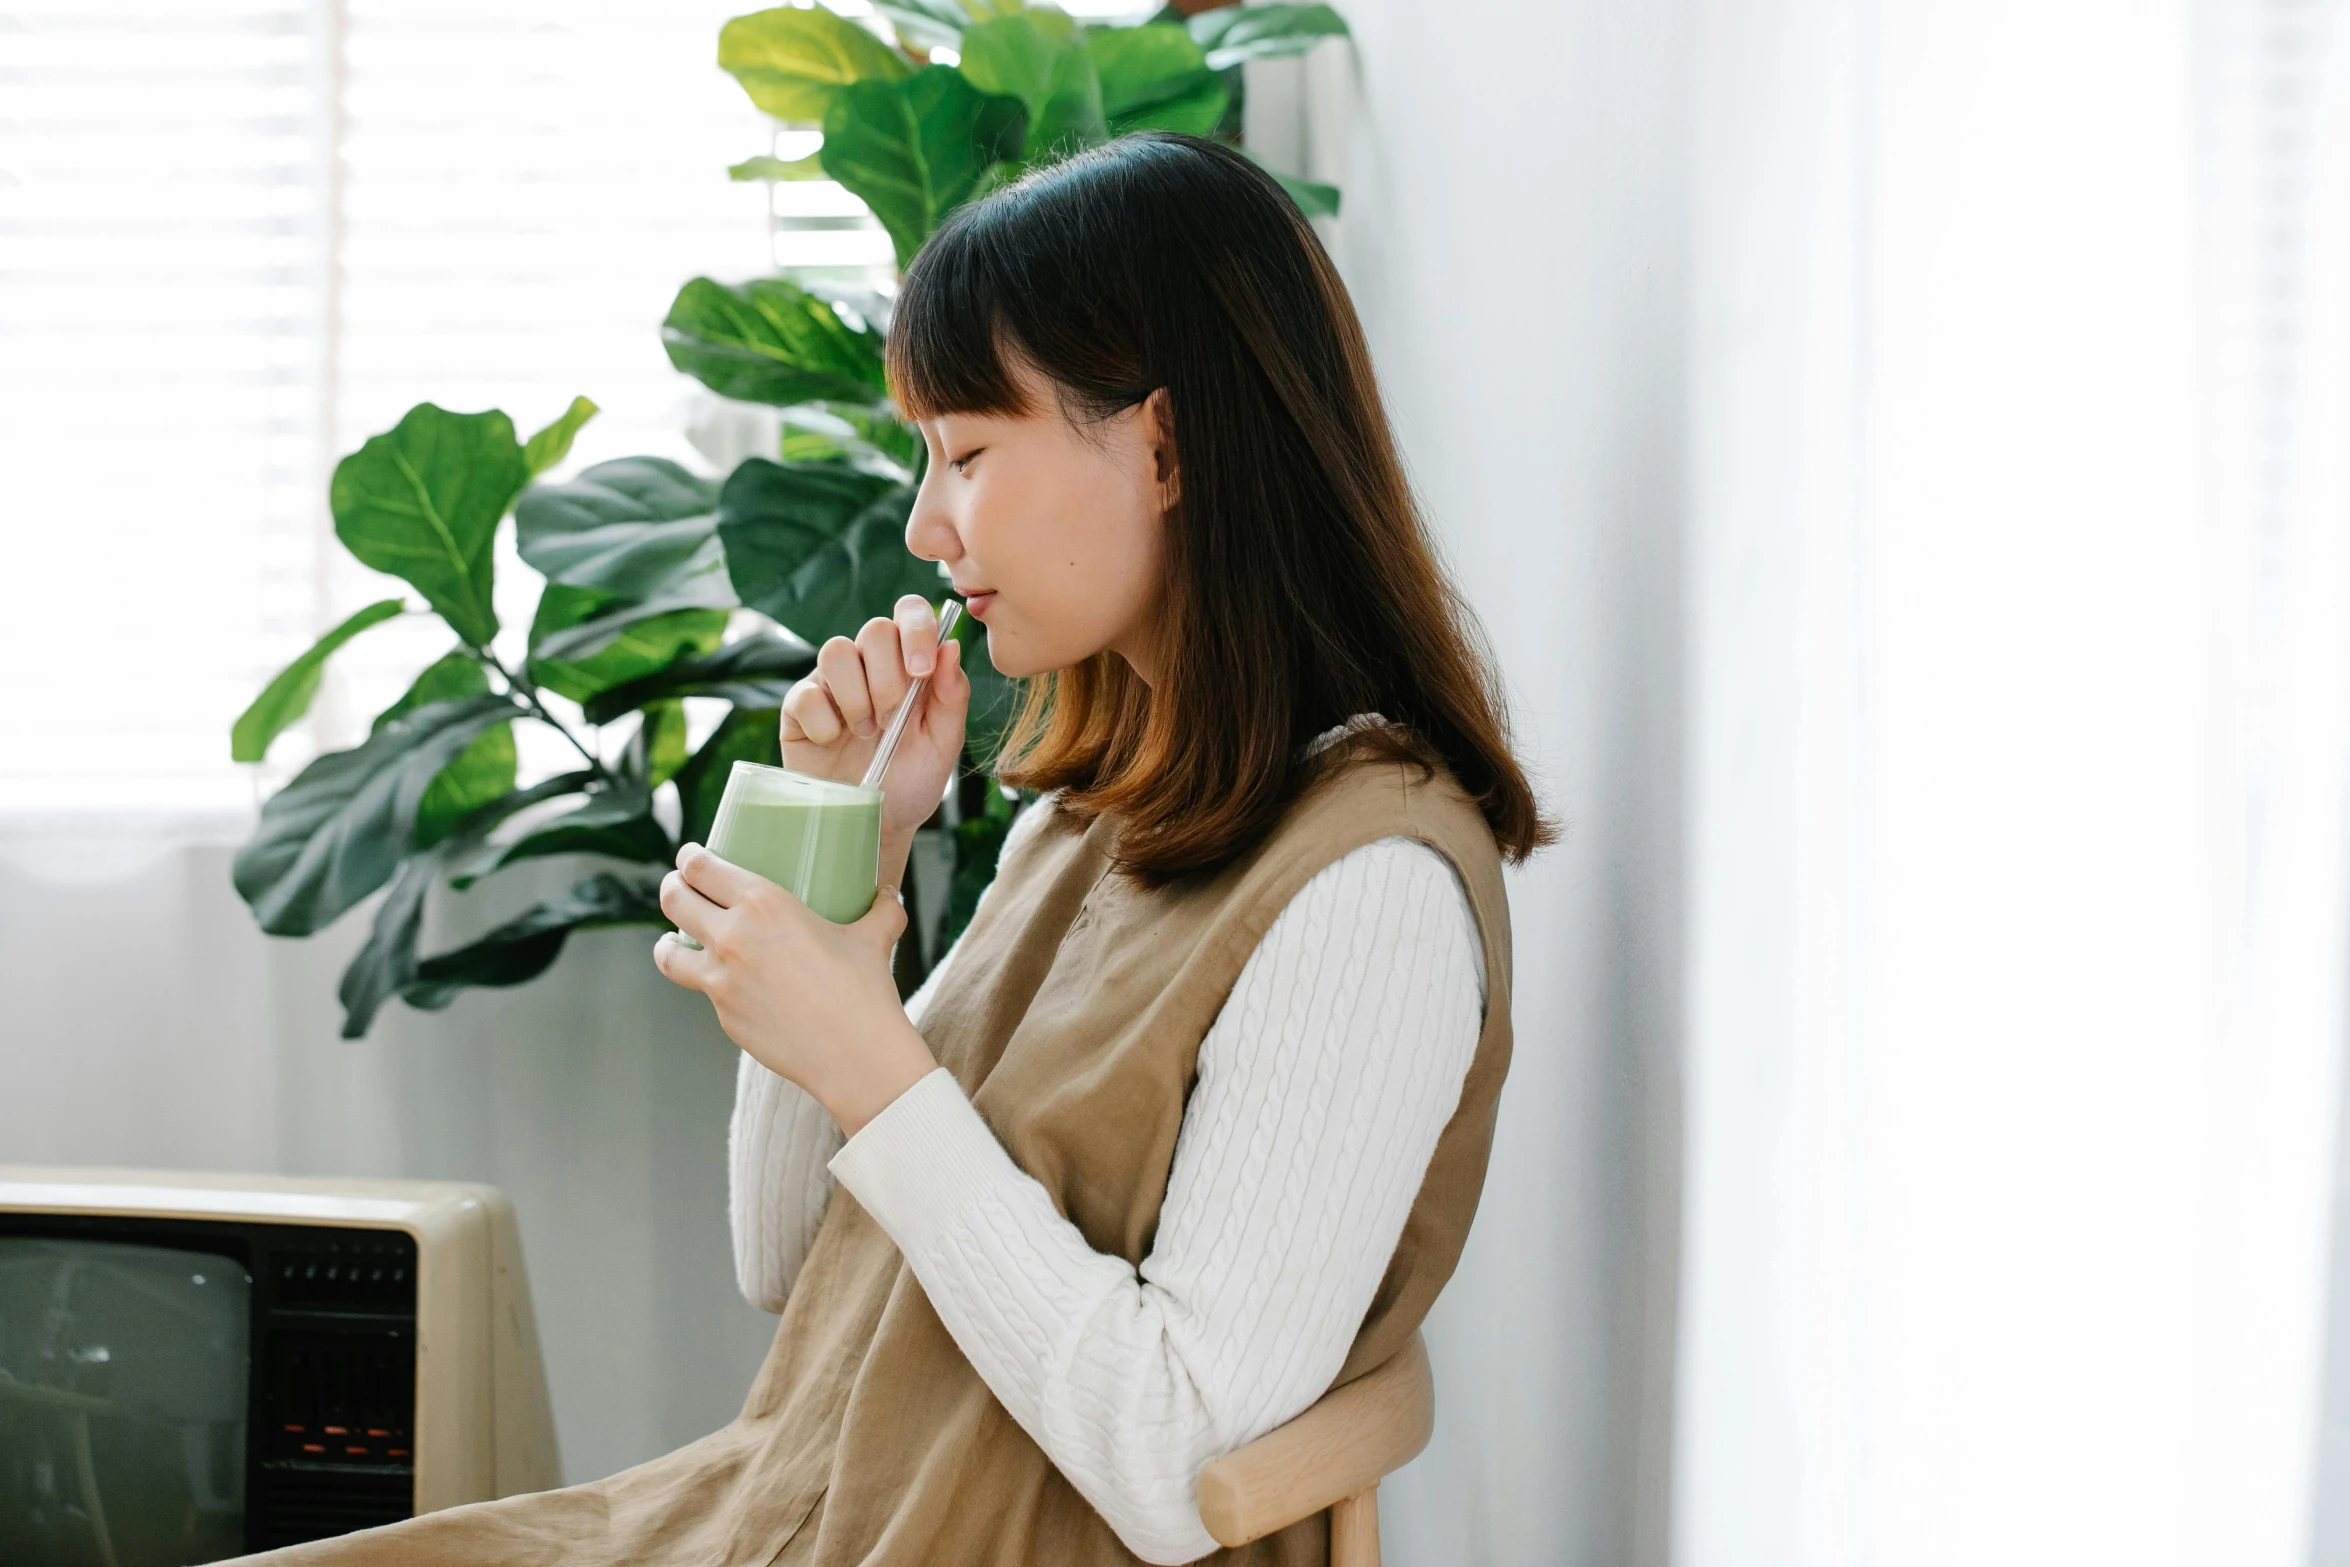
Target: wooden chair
1334 1456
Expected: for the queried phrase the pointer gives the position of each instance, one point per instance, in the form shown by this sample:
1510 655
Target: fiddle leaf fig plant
661 586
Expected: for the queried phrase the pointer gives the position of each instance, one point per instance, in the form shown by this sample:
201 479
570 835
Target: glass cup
818 840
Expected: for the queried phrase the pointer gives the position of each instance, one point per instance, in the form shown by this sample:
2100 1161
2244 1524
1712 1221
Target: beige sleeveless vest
1071 1015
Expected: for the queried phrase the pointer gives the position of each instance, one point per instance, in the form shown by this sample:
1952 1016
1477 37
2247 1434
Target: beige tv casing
483 1426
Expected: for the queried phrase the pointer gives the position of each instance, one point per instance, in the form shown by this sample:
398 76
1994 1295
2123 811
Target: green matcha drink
819 840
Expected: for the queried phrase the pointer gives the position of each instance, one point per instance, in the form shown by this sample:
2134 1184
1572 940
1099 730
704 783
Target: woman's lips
977 603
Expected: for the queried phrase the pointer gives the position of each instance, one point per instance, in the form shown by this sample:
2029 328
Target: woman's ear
1159 426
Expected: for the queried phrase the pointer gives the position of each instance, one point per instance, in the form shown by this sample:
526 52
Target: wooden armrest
1352 1437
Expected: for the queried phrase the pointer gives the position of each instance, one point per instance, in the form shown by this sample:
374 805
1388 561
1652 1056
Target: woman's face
1051 531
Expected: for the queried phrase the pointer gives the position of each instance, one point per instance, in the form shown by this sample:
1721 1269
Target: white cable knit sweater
1321 1091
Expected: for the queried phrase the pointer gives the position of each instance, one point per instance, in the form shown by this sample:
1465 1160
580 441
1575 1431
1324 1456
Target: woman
1191 1122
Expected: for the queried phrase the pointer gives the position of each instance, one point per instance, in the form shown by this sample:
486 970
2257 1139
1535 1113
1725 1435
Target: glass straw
948 614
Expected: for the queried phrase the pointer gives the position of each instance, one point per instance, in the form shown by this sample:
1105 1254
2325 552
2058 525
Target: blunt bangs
948 339
1042 273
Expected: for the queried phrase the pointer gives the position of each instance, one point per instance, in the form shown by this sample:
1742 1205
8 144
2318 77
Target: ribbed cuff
921 1161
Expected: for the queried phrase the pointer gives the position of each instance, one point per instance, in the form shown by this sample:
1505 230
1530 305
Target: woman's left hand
809 1000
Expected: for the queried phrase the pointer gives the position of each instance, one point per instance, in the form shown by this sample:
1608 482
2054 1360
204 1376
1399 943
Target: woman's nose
930 533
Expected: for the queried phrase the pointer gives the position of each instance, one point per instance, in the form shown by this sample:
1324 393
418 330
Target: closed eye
962 464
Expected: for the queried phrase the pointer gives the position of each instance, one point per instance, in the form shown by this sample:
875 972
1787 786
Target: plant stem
523 687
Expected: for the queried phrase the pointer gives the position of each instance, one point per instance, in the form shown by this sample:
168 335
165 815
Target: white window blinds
239 236
160 254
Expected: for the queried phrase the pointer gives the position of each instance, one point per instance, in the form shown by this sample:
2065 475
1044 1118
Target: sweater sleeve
777 1185
1322 1089
777 1145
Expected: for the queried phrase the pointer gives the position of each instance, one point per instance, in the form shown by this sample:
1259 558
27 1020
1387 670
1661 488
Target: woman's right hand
833 719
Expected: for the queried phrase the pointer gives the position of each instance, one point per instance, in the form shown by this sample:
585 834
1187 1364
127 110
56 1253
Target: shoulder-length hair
1300 587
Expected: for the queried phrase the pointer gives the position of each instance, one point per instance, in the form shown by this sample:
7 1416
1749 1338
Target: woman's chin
1004 653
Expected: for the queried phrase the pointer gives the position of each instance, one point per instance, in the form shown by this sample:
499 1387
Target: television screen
125 1376
194 1366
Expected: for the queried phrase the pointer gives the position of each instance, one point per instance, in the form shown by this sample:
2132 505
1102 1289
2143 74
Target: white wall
1514 234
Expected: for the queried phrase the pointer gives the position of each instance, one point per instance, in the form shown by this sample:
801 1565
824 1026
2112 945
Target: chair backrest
1332 1456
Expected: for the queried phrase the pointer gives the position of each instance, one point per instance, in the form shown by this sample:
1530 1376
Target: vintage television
196 1366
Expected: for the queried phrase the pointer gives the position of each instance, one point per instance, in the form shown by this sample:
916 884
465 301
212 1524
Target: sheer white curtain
2020 641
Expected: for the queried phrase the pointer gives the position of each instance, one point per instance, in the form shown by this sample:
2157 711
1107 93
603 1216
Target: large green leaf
1156 77
1195 111
627 645
524 947
286 698
388 960
552 444
629 547
873 439
820 547
1071 119
337 832
763 167
482 772
450 678
792 60
915 150
1233 33
756 671
772 341
1050 20
657 750
1140 65
1053 78
638 527
1008 55
423 501
573 630
746 734
616 821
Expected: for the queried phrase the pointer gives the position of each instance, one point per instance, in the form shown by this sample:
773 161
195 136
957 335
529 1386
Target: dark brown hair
1300 587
